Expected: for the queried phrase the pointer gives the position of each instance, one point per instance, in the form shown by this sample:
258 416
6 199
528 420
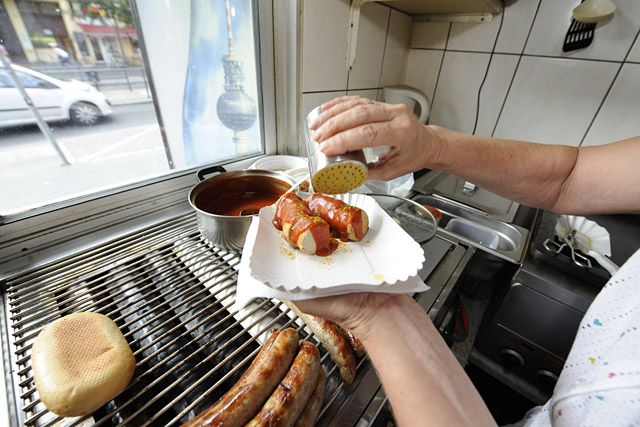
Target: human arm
556 177
424 382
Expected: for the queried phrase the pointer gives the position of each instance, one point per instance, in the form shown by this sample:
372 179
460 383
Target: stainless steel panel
460 190
512 239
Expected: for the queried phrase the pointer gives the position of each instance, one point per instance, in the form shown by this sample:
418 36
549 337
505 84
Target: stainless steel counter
170 292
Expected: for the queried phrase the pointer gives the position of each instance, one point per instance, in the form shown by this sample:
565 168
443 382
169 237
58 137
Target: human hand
351 123
355 312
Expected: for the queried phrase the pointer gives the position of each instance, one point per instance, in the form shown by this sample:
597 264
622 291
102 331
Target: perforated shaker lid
340 178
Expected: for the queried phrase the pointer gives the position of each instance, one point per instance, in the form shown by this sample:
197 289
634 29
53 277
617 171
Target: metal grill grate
171 294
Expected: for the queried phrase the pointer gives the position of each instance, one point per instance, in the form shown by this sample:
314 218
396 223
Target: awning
108 30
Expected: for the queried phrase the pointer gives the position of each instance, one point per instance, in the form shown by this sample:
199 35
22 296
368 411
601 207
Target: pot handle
209 170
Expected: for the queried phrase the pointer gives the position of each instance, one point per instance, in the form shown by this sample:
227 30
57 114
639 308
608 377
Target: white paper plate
589 234
386 255
249 288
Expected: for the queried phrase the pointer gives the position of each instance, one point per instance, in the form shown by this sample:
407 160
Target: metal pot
224 203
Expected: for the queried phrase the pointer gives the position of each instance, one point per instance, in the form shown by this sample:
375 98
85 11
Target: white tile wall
396 49
312 100
611 41
422 70
616 120
518 17
494 91
429 35
324 44
553 100
634 56
383 46
370 93
478 37
554 97
454 102
372 34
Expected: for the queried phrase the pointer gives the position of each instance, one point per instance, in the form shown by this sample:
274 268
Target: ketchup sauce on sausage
338 214
291 209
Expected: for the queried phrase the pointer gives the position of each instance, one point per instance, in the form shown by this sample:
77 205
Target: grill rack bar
167 289
40 306
227 375
29 379
66 264
87 308
55 284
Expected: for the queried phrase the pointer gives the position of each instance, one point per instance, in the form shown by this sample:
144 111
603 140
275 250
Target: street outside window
5 80
30 82
123 93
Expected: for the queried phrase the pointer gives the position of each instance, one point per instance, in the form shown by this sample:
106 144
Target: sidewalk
32 174
125 96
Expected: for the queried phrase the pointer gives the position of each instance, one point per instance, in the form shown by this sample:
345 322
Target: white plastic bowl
298 173
279 163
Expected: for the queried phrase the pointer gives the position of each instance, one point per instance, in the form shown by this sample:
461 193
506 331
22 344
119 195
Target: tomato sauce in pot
241 196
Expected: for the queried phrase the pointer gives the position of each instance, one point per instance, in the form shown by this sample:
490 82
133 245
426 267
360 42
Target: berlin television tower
235 108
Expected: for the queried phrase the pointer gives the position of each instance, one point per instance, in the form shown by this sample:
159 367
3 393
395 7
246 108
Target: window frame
263 38
82 219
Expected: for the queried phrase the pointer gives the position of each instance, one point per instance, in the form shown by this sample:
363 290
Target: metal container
414 218
336 174
224 203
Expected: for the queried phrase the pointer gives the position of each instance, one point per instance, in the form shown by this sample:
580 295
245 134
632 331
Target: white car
56 99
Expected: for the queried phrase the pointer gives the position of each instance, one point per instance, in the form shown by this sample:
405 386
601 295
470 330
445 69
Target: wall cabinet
438 7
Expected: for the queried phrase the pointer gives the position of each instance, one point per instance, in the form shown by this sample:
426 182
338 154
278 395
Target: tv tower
235 108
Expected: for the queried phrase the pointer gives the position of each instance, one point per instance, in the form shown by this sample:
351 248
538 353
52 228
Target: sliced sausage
247 396
351 222
310 413
333 339
291 396
303 230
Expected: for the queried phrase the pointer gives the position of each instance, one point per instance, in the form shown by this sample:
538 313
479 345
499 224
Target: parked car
56 99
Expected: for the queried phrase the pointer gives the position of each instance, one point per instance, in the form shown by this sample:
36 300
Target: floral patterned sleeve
600 382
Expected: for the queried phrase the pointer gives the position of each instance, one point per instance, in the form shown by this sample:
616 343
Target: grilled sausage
310 414
334 340
291 396
246 396
310 233
356 345
351 222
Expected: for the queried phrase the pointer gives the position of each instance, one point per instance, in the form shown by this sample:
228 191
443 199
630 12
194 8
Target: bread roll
80 362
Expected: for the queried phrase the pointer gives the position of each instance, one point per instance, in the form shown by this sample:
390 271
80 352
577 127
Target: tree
118 11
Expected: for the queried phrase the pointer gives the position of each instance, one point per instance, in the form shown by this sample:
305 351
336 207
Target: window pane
5 81
199 78
205 76
30 81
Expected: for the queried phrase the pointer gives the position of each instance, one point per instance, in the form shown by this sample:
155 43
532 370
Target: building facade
61 32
